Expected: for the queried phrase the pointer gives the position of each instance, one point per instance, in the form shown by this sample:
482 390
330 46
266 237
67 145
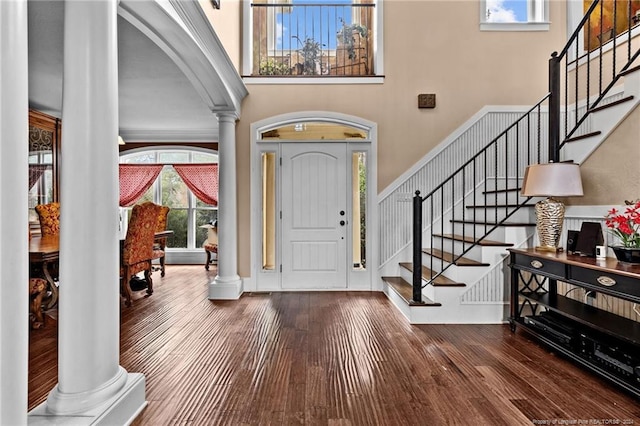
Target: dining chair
137 251
37 291
210 245
49 217
160 244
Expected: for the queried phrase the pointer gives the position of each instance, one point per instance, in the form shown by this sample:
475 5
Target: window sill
515 26
378 79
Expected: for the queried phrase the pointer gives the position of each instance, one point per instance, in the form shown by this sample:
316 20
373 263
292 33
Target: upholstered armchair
49 217
137 251
161 243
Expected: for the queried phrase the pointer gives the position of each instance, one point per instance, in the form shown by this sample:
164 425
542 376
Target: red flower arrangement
626 226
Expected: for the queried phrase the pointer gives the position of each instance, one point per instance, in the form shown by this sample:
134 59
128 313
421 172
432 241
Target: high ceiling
157 102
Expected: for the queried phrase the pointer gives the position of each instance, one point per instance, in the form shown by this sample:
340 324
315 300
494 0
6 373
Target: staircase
464 225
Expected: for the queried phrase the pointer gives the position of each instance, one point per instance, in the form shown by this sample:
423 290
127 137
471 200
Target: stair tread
584 136
440 281
468 239
470 222
610 104
405 291
482 206
448 257
630 70
494 191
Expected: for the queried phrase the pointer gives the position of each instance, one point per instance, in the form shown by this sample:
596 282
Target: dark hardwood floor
333 358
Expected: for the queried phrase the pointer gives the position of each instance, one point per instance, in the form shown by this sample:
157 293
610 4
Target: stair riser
492 255
500 183
507 234
499 198
521 215
435 293
466 274
460 274
457 247
437 265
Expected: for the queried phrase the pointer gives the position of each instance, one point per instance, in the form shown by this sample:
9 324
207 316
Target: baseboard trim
121 409
225 288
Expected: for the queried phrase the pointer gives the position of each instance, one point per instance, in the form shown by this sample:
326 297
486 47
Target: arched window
187 212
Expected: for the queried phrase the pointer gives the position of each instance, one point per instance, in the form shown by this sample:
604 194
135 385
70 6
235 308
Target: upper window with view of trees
312 38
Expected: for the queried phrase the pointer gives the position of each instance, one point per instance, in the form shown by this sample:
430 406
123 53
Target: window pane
268 211
507 11
174 192
359 202
144 158
148 196
315 131
199 157
202 204
203 217
173 157
178 223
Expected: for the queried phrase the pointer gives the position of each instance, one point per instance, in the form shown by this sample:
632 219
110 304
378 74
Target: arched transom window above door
314 130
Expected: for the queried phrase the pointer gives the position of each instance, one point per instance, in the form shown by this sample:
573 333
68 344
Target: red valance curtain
35 171
135 179
201 179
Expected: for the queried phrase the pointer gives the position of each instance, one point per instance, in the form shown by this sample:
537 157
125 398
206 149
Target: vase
627 254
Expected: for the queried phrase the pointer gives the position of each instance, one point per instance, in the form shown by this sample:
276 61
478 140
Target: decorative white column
227 284
90 381
14 250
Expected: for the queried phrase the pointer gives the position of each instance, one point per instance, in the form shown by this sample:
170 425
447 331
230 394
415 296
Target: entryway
313 188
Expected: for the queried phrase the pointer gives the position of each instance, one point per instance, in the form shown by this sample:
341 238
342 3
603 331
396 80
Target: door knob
341 212
342 223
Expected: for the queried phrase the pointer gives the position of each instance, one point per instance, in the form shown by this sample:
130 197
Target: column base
225 288
120 409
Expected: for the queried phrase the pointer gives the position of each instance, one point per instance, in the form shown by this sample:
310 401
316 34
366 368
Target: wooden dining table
45 251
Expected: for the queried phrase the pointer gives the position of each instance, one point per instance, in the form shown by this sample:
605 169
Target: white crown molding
192 135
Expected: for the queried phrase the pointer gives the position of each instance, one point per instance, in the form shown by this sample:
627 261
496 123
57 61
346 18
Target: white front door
314 215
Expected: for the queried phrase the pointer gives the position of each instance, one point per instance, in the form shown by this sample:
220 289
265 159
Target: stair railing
504 158
592 62
573 76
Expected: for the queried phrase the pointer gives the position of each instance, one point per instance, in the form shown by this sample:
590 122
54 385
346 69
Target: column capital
226 116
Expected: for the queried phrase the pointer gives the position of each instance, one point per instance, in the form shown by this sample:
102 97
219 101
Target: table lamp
551 180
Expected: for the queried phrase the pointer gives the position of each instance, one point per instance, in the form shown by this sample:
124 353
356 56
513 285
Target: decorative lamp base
549 248
549 221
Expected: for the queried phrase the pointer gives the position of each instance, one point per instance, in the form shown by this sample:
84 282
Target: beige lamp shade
552 180
120 140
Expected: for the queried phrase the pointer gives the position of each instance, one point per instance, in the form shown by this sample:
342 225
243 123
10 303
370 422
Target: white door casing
300 275
314 216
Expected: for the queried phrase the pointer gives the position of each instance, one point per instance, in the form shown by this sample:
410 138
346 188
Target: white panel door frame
357 279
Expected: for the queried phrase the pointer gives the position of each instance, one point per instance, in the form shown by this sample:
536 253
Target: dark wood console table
603 342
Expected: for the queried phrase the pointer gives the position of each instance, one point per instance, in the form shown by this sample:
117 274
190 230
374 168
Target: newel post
417 250
554 108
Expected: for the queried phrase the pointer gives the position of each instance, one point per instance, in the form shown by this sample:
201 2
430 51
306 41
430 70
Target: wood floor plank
330 358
